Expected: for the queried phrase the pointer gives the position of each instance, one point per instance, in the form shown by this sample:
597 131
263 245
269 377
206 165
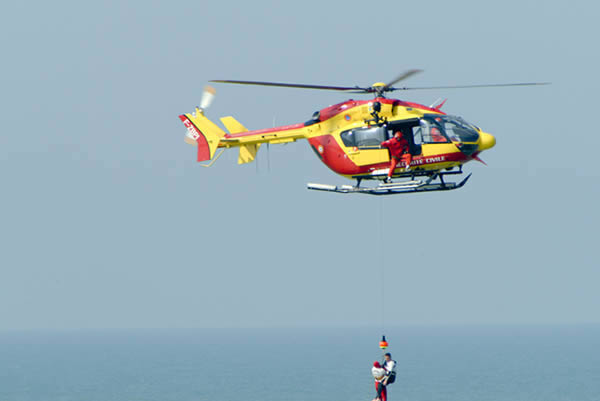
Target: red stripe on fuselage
337 160
333 155
422 161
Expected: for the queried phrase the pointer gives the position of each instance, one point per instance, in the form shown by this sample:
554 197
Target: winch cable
382 262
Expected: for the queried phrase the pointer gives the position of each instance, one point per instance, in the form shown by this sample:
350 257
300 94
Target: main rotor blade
469 86
355 89
402 76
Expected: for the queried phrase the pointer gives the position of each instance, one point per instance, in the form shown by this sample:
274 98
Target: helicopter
347 137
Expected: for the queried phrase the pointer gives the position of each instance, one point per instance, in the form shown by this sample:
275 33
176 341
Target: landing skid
393 188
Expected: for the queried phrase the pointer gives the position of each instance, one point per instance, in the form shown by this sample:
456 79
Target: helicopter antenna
269 151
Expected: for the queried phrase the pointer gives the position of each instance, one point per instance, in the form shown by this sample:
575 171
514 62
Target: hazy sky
108 221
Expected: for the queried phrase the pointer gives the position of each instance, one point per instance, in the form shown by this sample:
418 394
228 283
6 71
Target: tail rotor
207 97
205 101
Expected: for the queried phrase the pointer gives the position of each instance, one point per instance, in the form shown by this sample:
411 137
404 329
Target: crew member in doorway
379 375
436 136
399 150
390 369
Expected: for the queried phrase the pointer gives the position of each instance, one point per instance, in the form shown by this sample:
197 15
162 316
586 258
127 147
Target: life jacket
392 372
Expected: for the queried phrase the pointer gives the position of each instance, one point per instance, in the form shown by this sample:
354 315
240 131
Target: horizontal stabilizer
233 125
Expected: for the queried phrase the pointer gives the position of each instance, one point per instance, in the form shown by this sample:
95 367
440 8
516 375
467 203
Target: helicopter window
460 131
348 138
450 132
418 135
364 137
440 128
430 131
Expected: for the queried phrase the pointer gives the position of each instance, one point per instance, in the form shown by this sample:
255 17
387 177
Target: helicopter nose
486 141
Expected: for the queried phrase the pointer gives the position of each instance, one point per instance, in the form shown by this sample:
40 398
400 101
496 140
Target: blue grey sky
108 221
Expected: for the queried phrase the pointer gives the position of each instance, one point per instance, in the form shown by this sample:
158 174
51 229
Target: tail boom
208 136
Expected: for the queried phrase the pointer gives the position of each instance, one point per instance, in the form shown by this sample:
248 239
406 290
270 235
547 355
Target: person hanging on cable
399 150
379 375
390 369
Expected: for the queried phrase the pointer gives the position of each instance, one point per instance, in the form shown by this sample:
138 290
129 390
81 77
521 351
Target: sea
449 363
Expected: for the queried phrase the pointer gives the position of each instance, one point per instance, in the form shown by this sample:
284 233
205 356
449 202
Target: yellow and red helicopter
347 137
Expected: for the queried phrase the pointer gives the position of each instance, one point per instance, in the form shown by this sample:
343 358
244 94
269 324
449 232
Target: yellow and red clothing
396 146
379 374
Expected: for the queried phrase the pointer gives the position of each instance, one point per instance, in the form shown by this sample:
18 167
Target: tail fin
203 132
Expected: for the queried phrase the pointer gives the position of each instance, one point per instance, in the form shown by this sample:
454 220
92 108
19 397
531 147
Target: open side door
406 126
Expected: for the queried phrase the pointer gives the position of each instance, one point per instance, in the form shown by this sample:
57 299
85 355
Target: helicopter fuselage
353 131
347 137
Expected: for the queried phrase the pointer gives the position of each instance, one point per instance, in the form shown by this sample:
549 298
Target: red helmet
376 364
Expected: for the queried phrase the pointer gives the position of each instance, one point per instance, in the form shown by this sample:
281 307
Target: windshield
441 128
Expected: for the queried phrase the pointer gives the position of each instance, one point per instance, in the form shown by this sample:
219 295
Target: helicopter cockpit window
460 131
367 137
442 128
430 131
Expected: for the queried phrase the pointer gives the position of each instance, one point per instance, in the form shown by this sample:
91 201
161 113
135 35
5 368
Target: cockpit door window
430 131
444 128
